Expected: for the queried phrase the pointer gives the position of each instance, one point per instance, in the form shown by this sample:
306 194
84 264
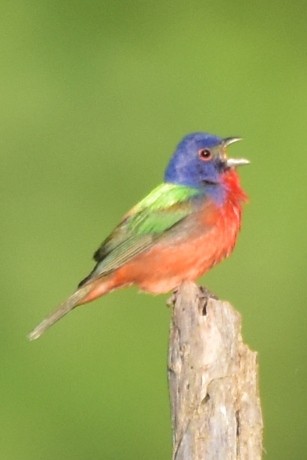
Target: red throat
232 183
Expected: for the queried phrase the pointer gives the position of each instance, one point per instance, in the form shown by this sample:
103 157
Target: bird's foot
205 292
172 300
204 296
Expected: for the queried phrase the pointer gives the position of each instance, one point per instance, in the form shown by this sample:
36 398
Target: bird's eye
205 154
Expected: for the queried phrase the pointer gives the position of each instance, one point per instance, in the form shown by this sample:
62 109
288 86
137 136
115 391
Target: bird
178 232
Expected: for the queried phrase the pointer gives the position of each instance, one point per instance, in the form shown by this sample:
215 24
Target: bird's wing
142 226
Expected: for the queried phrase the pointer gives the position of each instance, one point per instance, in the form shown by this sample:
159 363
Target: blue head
200 161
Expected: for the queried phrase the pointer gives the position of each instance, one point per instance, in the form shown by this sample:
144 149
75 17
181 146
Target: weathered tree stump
213 381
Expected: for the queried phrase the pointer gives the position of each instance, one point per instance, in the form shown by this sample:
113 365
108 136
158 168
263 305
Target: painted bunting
178 232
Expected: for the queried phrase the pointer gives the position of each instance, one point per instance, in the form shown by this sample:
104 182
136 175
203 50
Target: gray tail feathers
73 301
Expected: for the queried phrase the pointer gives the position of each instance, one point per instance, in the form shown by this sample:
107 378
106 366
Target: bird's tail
77 298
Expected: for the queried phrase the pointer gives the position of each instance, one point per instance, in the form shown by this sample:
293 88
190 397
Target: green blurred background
94 97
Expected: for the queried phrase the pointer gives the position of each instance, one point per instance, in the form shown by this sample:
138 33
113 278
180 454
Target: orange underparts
167 264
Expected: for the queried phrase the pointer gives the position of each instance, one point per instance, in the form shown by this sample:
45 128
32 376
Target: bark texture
213 381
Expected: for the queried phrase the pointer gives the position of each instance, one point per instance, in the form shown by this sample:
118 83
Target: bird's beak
234 162
231 140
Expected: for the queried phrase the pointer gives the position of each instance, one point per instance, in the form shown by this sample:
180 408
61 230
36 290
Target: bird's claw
172 300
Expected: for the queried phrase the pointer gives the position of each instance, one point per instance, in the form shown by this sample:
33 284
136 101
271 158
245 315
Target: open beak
234 162
231 140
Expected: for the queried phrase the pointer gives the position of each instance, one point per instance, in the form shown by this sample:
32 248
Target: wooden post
213 381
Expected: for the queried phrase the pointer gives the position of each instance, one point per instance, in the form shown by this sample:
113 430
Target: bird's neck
232 187
227 191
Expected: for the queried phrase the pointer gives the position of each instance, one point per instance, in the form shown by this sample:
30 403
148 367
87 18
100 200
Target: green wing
145 224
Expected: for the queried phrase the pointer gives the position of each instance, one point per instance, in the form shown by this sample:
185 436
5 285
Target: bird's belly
165 266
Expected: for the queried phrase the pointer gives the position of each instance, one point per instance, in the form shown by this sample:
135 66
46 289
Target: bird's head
200 160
